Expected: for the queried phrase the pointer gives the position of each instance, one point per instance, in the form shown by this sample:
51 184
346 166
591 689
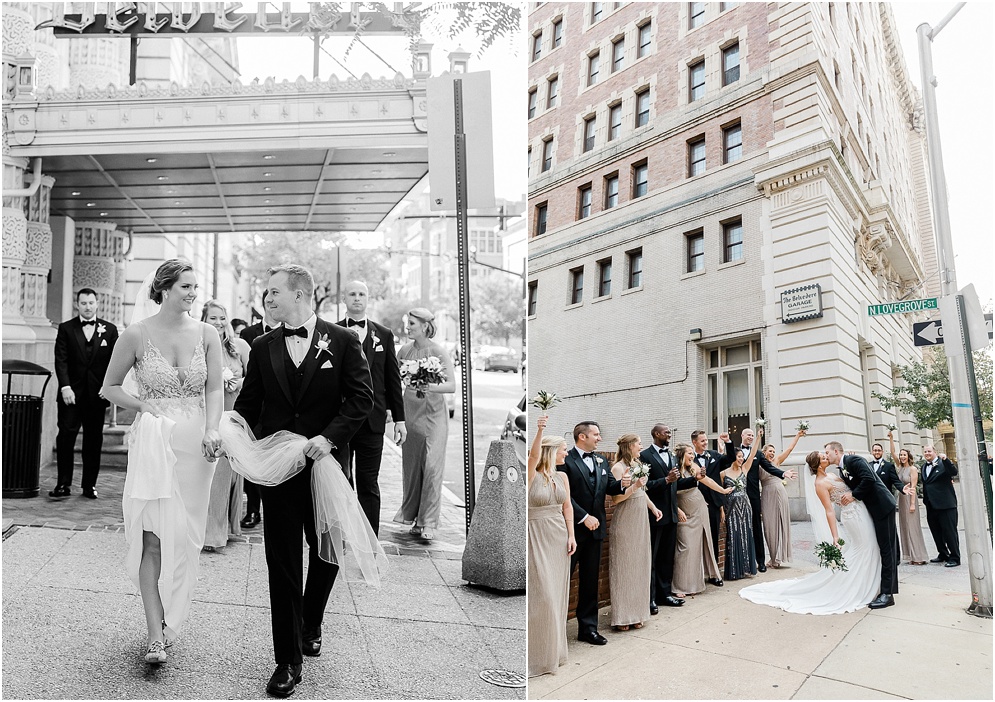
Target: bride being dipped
829 591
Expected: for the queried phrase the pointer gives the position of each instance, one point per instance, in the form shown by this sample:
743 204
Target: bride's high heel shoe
156 653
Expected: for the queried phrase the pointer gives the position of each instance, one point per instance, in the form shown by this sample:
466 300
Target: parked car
515 429
496 358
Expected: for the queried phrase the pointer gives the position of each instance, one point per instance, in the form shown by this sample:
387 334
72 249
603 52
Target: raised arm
753 451
536 449
705 480
891 445
791 447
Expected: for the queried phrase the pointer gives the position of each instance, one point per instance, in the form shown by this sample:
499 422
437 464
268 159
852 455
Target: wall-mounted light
24 88
459 61
696 334
421 62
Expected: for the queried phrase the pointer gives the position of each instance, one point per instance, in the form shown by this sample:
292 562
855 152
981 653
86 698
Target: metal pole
977 542
317 46
979 428
463 254
338 279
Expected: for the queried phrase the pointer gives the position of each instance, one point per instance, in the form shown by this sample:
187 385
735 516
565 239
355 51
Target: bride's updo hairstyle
166 276
813 460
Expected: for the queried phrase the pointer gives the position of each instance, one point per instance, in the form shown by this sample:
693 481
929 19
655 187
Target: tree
926 392
496 306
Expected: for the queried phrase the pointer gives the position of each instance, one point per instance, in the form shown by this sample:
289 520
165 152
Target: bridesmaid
423 453
630 555
551 543
909 526
740 555
774 507
695 557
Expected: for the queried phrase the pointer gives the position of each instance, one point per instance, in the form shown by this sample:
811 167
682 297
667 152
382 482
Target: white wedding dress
832 591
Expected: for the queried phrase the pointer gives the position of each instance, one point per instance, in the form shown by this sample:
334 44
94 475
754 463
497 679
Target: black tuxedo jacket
888 473
378 347
760 462
585 501
938 488
335 394
717 462
251 332
660 492
81 370
867 487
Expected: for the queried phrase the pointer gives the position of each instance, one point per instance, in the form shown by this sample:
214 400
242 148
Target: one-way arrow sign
931 333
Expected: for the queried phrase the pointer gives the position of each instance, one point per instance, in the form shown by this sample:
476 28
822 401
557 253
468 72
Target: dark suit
714 464
81 365
760 462
587 493
328 394
663 533
866 486
252 498
941 507
888 473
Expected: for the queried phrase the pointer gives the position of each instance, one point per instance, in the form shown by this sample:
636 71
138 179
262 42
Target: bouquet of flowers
544 400
421 373
761 422
228 378
830 555
892 427
802 425
639 470
739 483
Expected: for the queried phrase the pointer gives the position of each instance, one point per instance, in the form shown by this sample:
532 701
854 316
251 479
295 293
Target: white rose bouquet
830 555
421 373
802 425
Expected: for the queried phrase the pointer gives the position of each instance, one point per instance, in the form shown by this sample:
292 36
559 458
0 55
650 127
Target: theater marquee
802 303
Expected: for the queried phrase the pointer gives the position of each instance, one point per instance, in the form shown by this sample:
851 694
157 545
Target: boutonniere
101 329
377 346
598 460
322 345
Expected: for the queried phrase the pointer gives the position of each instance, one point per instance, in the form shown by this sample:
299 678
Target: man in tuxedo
664 482
366 444
885 469
866 486
591 480
714 463
83 347
252 512
311 378
941 505
753 489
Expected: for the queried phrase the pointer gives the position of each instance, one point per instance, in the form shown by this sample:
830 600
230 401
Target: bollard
494 555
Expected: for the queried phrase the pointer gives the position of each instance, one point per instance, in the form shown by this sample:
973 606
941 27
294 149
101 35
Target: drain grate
503 678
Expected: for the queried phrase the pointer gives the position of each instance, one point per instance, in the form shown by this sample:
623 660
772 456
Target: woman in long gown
177 366
694 558
423 453
909 526
630 553
551 543
224 508
829 591
774 506
741 560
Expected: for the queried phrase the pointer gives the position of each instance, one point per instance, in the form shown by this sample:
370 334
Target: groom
867 487
309 377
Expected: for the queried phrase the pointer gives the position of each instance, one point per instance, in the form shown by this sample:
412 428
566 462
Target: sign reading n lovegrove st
801 303
902 307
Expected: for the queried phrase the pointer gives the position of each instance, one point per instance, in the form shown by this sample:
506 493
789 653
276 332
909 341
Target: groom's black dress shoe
761 568
90 492
672 601
250 520
717 582
952 564
653 608
60 492
284 680
311 641
593 637
881 601
938 559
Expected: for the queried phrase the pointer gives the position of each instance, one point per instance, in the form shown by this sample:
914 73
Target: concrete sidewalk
73 626
720 646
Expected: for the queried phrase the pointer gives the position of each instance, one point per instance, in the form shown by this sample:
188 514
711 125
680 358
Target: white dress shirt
89 329
298 347
359 331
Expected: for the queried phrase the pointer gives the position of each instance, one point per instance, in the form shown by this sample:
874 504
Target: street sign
931 333
902 307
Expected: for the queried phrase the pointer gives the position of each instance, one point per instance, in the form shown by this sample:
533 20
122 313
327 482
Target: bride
829 591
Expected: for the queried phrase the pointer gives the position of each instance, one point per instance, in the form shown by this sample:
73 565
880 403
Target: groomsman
885 469
753 490
664 482
591 480
941 505
714 463
83 347
366 444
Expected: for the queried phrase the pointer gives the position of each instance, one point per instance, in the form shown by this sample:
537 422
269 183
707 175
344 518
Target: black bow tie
585 455
91 323
699 456
356 323
661 450
299 331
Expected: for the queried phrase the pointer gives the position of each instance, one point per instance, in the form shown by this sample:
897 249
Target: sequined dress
740 555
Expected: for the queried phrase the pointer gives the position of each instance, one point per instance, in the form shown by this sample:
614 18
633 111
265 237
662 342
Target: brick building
689 165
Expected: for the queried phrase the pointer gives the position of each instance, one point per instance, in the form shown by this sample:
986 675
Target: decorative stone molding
98 256
18 32
15 236
36 207
38 249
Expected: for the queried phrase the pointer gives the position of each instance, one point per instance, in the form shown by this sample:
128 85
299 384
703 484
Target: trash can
22 432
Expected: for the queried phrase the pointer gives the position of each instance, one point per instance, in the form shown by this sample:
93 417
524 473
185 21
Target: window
730 64
634 259
611 191
732 138
547 155
557 33
584 200
576 285
836 71
643 108
552 90
640 179
593 62
597 10
528 168
734 388
618 54
536 46
614 121
533 97
723 6
732 241
589 125
696 12
696 251
604 277
696 157
696 81
644 39
540 219
533 295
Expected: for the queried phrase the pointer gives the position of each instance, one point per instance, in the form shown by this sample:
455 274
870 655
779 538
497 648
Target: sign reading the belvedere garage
801 303
902 307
